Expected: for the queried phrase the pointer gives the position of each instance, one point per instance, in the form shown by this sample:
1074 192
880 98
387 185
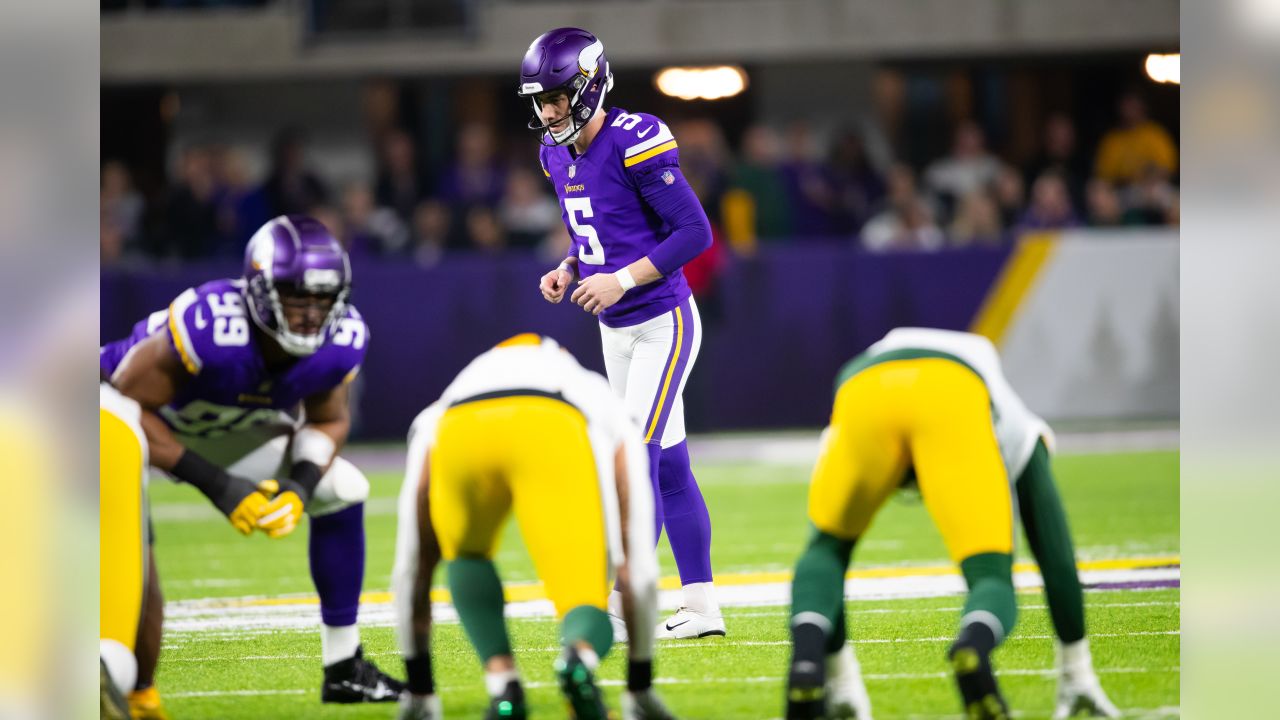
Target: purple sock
688 523
337 563
655 453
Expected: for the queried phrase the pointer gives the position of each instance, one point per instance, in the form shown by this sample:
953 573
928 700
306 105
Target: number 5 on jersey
593 252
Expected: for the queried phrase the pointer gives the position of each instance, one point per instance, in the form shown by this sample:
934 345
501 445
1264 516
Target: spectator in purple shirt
1050 207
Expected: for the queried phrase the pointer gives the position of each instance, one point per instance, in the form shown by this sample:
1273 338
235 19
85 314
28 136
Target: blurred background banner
1090 326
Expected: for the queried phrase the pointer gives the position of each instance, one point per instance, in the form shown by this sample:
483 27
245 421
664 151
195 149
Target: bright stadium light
701 83
1165 68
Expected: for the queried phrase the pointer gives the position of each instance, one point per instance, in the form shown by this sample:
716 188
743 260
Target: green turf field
1121 505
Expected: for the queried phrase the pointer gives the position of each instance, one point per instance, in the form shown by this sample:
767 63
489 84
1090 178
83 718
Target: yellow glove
280 516
244 517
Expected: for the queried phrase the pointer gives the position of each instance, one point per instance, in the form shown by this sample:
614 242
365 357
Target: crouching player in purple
635 222
244 388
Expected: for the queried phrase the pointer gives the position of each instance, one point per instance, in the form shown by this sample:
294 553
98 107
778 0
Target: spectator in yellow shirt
1126 152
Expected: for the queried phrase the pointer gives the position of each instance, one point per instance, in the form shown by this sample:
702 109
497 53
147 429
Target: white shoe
1078 687
619 629
644 705
419 707
689 624
1082 693
847 697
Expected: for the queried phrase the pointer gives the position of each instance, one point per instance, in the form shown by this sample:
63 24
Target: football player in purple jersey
243 384
634 222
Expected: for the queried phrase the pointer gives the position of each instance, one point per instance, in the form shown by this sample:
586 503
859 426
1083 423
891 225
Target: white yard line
759 680
239 617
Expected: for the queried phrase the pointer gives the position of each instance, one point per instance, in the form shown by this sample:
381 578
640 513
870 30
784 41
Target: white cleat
619 629
644 705
419 707
689 624
847 697
1078 688
1081 693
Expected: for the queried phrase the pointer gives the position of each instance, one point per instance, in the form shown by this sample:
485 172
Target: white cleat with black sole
847 697
689 624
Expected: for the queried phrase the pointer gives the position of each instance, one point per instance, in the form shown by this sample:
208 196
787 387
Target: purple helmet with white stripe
572 61
296 282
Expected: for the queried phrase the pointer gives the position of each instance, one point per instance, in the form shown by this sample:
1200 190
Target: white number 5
593 252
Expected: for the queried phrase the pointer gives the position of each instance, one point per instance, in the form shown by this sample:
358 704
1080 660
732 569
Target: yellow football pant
531 454
121 529
932 414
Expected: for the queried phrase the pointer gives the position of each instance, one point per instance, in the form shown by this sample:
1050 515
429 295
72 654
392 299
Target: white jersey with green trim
538 366
1017 428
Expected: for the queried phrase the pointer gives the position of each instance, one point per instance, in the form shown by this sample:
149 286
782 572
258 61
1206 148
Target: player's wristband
639 675
569 268
313 445
216 484
303 478
420 679
624 279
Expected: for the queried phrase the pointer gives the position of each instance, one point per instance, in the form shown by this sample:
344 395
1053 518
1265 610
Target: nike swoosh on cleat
673 627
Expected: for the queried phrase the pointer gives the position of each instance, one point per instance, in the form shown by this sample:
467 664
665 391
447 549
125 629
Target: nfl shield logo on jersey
573 170
668 178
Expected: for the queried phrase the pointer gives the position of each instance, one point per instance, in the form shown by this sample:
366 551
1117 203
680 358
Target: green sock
477 594
1049 537
590 624
990 578
818 584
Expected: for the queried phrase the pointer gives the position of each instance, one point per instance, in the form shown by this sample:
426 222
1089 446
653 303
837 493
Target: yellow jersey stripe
1015 281
520 592
187 361
649 153
544 172
666 382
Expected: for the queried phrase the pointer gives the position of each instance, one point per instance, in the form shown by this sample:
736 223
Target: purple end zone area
1136 585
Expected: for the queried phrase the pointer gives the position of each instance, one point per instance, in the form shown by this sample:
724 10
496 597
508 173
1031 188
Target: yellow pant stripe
666 381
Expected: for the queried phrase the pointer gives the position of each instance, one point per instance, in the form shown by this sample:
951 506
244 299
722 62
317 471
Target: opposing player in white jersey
525 428
933 406
635 223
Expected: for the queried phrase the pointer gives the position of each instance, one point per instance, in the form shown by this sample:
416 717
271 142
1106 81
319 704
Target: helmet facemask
579 112
272 304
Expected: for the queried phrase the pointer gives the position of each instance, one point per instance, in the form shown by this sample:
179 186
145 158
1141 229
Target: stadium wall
777 326
1087 323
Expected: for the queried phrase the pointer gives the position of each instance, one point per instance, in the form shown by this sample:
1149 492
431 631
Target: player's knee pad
121 664
340 488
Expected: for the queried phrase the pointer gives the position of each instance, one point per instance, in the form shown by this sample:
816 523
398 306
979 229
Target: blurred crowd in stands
781 185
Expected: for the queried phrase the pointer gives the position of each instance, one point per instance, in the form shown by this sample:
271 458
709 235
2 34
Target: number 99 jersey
604 196
230 388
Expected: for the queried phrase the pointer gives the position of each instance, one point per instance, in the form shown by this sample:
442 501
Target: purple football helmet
570 60
296 257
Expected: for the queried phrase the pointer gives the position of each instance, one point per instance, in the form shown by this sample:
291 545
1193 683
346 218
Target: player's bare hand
554 284
597 293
